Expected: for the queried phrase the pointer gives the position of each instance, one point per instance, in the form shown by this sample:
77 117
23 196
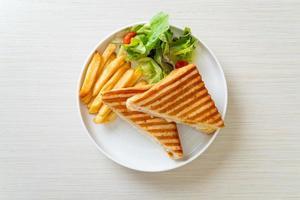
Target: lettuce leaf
158 25
151 70
136 49
182 48
148 36
165 66
135 28
166 39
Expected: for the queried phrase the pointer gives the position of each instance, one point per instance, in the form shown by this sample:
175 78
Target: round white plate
123 144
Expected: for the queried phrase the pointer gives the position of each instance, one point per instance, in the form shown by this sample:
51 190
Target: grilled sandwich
181 97
162 131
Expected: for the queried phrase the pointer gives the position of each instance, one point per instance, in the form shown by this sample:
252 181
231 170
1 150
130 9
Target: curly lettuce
180 48
151 70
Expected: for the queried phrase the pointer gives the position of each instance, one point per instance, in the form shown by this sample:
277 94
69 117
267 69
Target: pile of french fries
104 73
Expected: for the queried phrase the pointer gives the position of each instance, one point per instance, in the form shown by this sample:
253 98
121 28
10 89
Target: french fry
97 102
125 81
102 114
141 83
135 77
99 120
110 117
91 101
110 49
87 98
108 71
91 73
116 77
110 59
107 54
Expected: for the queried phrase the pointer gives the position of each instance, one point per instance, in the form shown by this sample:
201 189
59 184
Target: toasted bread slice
162 131
181 97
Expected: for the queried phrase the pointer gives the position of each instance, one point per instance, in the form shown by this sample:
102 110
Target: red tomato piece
181 63
128 36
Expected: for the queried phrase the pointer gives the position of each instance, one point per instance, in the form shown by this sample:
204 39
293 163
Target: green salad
156 50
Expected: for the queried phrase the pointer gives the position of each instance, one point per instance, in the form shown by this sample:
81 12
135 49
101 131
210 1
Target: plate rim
212 139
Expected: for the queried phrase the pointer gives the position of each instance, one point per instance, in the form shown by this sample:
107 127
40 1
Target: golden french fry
107 56
115 78
87 98
102 114
99 120
135 77
108 71
91 101
125 80
91 73
110 49
97 102
104 111
111 117
110 59
105 115
141 83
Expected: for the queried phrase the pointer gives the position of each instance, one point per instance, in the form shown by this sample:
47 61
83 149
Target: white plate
126 146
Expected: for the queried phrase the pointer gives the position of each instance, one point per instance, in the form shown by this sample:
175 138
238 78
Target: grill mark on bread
178 151
173 98
130 91
115 99
217 120
154 123
159 126
152 120
166 133
190 100
172 146
213 114
164 92
115 104
161 86
167 137
172 140
198 106
144 118
134 114
171 143
162 130
219 123
203 113
178 104
119 106
120 95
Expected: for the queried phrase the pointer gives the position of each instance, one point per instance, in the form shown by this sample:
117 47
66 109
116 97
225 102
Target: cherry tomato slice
181 63
128 36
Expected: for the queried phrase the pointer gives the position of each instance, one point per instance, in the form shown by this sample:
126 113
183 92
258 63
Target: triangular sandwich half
181 97
163 132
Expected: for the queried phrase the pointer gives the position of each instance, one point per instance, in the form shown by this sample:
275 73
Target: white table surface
45 152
